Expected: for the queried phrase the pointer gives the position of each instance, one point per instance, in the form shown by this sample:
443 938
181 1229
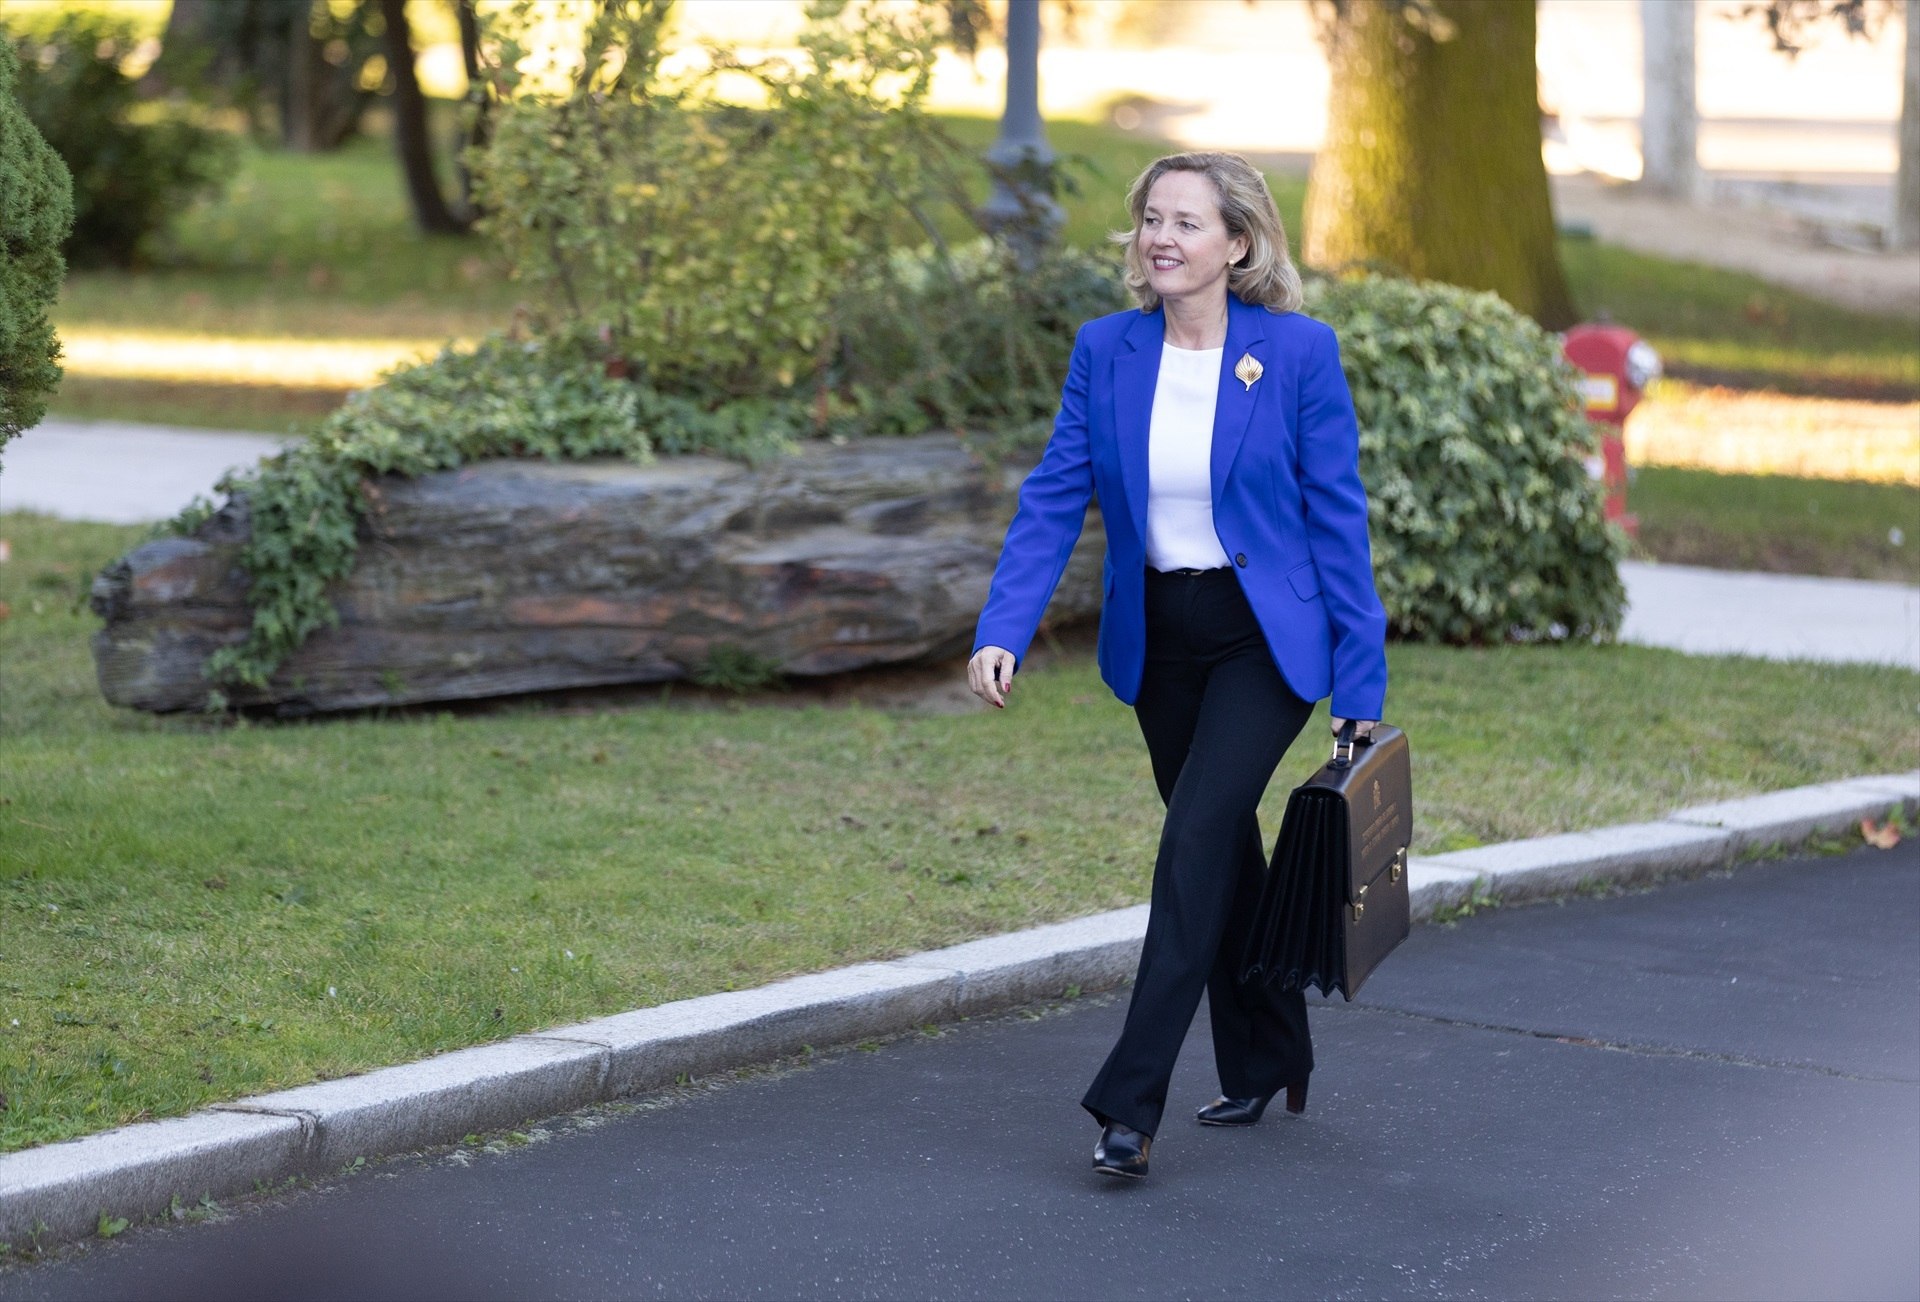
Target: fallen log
516 576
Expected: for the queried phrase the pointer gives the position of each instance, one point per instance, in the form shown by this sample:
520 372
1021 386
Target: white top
1179 462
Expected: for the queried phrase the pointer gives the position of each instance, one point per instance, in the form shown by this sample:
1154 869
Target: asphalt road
1707 1090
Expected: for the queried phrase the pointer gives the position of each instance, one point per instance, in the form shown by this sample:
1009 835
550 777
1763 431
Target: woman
1215 427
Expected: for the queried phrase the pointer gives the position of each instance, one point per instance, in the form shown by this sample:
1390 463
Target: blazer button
1240 559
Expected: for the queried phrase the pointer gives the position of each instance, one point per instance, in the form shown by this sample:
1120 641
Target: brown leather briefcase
1335 899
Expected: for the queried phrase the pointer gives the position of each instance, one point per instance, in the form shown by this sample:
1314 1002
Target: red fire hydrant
1616 367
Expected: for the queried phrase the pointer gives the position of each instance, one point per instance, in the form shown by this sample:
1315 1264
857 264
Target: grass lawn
191 911
1726 327
1771 522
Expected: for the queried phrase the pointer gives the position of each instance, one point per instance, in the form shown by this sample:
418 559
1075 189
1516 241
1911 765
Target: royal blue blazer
1288 505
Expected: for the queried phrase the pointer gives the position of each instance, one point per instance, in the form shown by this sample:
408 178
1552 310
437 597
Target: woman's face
1183 240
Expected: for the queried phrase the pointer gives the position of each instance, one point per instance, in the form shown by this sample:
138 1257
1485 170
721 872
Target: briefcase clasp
1359 905
1399 864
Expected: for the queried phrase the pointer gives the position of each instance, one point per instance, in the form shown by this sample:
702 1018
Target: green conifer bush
36 211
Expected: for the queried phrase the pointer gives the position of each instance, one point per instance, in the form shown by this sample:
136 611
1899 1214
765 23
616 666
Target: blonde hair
1265 275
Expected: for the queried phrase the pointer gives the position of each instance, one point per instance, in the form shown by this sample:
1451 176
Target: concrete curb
60 1191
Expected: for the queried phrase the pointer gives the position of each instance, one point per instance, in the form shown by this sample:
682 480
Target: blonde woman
1215 428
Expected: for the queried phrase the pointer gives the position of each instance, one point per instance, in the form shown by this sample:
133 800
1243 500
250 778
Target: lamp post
1022 210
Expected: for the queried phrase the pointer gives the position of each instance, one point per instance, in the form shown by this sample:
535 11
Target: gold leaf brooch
1247 370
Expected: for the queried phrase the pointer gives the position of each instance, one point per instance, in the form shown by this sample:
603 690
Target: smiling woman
1184 244
1216 429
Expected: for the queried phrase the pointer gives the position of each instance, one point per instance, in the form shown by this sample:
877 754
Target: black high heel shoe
1224 1111
1122 1151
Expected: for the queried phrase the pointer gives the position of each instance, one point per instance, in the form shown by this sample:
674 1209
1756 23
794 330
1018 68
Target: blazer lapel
1136 372
1233 408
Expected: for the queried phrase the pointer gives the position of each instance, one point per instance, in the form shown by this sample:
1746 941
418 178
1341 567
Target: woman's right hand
990 675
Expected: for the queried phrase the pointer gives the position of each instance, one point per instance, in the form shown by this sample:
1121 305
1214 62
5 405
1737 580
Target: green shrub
134 166
709 239
36 209
503 398
1486 525
966 340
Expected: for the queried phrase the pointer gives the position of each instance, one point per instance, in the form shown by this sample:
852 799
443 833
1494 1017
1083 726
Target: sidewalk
1775 246
119 472
1774 616
127 473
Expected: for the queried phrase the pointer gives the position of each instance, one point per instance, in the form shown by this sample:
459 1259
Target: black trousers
1217 717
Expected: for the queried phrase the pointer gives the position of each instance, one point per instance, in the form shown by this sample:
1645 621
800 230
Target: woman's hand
1361 727
990 675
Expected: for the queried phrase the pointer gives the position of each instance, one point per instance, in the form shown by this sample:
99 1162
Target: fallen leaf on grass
6 551
1881 836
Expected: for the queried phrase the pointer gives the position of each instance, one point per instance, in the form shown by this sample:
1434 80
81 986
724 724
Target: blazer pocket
1305 580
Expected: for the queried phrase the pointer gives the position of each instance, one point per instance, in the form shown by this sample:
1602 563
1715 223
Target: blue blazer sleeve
1046 524
1336 509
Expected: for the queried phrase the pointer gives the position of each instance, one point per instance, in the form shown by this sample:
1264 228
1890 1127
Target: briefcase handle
1344 743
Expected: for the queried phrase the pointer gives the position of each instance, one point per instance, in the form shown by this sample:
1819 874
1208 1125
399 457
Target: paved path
1776 616
1711 1089
117 471
1770 244
130 473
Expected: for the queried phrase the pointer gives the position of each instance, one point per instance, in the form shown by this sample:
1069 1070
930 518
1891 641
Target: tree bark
299 101
1432 164
478 128
411 139
1906 189
1669 113
190 30
188 21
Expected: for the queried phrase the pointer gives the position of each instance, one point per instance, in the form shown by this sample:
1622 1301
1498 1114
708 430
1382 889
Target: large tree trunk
1906 190
410 135
299 103
1669 114
1432 163
478 127
191 30
188 20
